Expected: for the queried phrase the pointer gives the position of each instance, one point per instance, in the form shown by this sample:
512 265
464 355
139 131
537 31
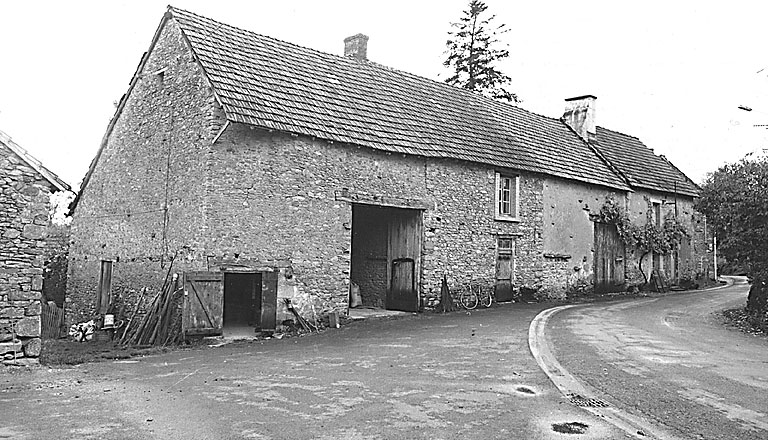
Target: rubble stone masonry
143 203
24 205
174 179
256 199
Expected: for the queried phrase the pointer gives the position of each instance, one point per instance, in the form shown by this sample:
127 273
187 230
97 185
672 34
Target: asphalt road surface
430 376
670 361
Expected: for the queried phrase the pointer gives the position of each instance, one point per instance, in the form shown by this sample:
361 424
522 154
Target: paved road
453 376
669 361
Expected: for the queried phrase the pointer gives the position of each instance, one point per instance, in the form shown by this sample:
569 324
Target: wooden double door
214 300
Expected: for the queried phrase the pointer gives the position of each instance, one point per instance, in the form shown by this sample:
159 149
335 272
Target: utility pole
714 249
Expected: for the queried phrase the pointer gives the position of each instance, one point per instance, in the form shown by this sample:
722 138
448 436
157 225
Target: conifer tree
473 49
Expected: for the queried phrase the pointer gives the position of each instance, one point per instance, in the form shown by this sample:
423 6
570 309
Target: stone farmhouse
268 171
25 190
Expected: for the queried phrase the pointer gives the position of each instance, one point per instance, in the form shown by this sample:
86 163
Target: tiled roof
640 166
277 85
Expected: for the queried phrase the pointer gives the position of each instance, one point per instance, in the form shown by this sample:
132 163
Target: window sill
504 218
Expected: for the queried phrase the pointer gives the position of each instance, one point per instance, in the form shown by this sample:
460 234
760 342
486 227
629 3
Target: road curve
666 363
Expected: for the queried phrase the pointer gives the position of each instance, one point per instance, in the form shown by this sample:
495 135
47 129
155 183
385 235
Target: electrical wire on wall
166 218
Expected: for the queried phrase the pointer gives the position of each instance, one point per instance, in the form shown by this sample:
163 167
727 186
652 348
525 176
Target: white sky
670 73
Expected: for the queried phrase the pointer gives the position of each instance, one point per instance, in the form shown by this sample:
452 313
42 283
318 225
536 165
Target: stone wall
461 233
142 204
24 206
258 200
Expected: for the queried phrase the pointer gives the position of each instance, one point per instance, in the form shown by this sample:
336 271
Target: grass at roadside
68 352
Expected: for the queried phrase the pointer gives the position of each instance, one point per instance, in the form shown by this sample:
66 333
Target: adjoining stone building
260 171
25 190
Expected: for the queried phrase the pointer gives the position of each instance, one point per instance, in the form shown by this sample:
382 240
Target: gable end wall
154 157
24 219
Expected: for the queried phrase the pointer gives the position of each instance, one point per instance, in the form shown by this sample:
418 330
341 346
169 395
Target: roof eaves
688 179
35 164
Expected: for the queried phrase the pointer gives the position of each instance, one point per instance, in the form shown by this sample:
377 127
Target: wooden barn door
404 252
402 294
609 259
203 311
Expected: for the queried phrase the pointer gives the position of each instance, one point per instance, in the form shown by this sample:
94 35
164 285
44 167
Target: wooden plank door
609 259
404 239
268 318
505 269
402 294
203 311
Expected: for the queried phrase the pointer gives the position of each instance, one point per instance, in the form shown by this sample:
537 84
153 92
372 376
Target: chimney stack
580 116
356 47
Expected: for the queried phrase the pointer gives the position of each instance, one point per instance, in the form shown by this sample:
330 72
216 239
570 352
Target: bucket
109 322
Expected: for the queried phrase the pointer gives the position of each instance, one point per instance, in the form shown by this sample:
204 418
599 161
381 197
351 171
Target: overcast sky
669 73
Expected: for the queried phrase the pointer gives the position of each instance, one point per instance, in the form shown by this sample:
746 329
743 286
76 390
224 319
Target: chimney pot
580 116
356 47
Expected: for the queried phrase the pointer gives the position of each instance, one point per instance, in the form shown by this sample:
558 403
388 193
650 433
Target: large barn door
203 310
609 259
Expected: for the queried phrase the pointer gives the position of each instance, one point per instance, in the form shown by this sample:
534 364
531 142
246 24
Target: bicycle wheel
486 299
468 299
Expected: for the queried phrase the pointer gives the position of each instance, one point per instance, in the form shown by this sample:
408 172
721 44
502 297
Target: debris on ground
741 319
570 428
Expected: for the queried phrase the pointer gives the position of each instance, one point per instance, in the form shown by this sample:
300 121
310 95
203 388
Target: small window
506 245
104 293
507 197
657 213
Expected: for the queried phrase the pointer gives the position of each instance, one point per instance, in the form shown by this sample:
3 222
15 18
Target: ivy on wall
648 237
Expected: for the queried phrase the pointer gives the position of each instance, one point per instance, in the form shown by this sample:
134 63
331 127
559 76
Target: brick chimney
356 47
580 116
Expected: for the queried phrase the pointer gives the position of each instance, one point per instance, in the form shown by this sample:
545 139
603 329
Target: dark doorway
386 256
609 259
242 300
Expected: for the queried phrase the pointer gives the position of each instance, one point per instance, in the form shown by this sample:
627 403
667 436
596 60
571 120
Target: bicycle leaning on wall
474 294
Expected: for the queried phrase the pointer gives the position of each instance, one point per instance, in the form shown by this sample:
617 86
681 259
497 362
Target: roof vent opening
356 47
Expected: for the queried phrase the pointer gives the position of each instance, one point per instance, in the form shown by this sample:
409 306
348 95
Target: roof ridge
366 62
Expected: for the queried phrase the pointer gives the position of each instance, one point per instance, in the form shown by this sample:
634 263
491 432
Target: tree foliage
472 49
735 201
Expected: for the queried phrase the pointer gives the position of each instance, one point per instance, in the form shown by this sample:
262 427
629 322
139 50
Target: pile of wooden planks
161 324
306 325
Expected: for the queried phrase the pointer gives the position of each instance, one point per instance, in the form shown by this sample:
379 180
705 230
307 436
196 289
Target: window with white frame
507 195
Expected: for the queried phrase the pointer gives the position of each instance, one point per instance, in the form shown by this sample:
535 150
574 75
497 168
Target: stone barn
259 171
25 190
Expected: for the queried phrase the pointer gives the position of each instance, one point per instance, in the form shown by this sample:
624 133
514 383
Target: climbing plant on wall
647 238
